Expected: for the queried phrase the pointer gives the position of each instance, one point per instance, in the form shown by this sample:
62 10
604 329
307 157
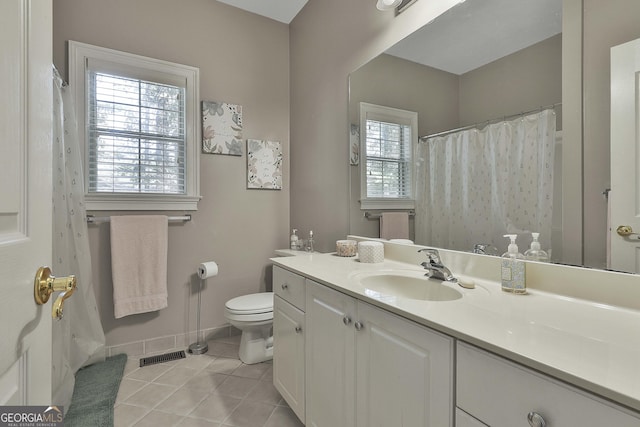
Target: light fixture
388 4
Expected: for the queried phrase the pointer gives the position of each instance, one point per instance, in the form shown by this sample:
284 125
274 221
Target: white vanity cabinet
288 337
495 392
366 367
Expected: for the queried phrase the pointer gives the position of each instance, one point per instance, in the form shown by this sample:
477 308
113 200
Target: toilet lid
252 303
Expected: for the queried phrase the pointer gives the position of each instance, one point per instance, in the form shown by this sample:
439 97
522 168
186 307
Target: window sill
366 204
138 202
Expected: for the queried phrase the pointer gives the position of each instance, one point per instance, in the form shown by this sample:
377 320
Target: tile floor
214 389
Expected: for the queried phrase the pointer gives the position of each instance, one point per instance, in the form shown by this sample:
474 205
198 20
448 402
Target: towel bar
93 219
376 215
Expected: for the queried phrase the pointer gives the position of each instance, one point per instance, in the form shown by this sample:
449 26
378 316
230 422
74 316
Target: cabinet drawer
501 393
289 286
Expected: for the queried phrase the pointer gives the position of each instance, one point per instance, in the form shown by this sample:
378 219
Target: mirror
478 63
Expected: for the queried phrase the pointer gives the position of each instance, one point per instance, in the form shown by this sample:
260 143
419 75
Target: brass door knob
625 230
45 284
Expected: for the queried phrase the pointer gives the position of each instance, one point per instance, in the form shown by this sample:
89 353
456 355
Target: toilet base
256 345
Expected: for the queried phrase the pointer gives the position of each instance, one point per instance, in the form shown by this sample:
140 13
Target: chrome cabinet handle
346 320
358 326
298 329
535 420
285 286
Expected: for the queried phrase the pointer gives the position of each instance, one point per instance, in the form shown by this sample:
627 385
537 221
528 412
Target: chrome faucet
435 268
485 249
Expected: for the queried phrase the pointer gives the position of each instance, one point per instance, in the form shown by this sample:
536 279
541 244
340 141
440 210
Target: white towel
139 263
394 225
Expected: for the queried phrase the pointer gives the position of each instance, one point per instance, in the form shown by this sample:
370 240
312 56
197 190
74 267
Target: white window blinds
387 140
136 135
388 157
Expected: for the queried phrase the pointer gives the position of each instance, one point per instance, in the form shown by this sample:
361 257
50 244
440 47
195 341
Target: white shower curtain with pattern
476 185
78 338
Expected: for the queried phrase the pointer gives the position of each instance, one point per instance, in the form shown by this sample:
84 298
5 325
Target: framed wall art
221 128
264 164
354 145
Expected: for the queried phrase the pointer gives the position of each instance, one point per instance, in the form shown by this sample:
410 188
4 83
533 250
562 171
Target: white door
404 373
25 199
625 156
330 357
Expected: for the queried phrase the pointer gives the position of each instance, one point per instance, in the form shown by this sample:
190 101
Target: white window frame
149 69
388 115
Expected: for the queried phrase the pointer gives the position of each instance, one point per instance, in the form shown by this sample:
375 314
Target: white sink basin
409 285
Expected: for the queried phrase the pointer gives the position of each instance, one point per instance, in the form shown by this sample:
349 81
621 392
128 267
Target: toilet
253 315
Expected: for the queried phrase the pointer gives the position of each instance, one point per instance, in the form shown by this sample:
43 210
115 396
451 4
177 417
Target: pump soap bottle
534 253
309 247
513 278
294 240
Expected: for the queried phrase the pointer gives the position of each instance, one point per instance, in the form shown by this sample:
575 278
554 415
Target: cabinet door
288 354
404 372
465 420
330 351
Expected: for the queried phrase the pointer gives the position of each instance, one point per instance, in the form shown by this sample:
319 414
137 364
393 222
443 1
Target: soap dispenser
534 253
513 268
294 240
309 247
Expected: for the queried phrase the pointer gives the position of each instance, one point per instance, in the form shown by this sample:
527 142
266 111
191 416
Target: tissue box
346 248
371 252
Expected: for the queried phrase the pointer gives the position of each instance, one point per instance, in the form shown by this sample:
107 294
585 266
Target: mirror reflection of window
388 141
388 154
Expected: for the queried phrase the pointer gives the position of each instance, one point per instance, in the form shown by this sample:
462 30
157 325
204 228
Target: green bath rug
95 393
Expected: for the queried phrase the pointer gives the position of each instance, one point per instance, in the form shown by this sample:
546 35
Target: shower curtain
78 338
476 185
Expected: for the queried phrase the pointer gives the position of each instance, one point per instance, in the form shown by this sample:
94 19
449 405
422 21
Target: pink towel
139 263
394 225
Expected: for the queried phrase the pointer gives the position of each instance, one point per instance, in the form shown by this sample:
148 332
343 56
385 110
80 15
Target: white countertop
590 345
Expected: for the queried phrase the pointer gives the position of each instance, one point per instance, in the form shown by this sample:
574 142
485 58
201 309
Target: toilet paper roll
371 252
207 269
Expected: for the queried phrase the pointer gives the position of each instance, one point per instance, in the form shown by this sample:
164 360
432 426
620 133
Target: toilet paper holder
204 271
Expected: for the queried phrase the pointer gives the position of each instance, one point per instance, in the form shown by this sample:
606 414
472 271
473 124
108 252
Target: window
387 139
140 117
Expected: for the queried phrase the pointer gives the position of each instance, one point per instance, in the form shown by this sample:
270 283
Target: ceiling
279 10
477 32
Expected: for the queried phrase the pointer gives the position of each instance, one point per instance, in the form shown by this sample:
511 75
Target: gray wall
398 83
522 81
244 59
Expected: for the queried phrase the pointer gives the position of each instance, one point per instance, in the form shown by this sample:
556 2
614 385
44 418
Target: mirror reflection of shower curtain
78 338
476 185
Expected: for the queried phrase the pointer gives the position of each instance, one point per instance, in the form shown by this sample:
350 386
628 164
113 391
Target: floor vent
145 361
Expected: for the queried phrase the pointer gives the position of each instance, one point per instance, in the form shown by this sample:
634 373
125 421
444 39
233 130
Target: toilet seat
250 308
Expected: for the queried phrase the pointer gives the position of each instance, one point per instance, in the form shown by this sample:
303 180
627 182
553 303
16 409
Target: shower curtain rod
486 122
